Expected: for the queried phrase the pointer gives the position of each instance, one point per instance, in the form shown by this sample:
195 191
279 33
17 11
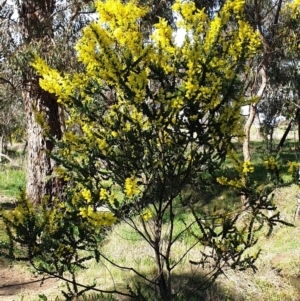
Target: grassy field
277 277
275 280
12 174
11 181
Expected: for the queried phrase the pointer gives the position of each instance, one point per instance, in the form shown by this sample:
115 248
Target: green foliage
50 240
150 124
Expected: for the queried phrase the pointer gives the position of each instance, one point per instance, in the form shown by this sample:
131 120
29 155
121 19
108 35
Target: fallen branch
6 157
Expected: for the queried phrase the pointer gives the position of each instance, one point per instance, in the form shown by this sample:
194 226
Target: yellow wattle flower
131 188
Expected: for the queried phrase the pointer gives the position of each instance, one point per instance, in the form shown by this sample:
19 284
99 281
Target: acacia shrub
149 123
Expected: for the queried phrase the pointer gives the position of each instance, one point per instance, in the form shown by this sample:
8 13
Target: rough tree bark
36 21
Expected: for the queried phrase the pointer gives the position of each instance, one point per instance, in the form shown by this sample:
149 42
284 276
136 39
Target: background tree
11 117
50 29
290 65
163 9
264 16
274 104
273 80
12 125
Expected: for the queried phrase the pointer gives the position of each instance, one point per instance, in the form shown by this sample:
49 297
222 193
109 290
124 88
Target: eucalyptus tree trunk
1 146
252 114
261 22
287 130
41 108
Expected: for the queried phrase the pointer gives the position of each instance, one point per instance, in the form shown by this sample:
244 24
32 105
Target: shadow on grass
8 205
185 286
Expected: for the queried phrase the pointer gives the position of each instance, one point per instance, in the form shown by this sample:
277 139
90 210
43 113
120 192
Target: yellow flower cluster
103 194
108 196
98 219
163 36
243 168
106 51
146 214
18 216
247 167
137 83
131 187
86 195
213 34
293 8
53 82
293 167
236 183
117 14
271 164
192 19
114 54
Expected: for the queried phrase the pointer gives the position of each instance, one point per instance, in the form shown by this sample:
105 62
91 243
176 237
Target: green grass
12 173
11 181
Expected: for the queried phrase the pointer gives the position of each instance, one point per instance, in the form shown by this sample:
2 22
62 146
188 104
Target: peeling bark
39 164
36 21
252 114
